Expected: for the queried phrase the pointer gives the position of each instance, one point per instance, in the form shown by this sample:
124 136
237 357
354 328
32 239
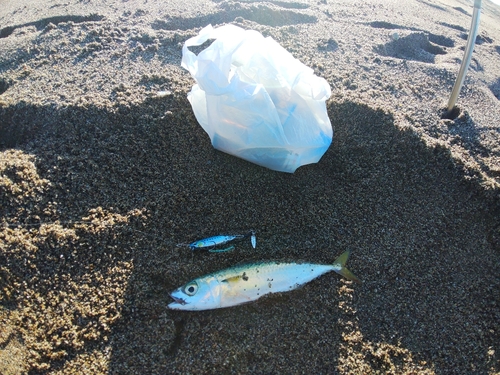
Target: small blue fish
211 243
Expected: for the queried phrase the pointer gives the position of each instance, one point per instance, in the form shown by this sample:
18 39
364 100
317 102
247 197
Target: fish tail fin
340 268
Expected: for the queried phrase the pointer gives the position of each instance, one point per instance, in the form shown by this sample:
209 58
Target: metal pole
467 55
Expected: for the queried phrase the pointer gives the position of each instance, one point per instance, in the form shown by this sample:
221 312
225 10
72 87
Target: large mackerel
249 282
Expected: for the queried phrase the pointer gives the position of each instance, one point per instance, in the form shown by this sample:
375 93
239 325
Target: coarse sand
104 169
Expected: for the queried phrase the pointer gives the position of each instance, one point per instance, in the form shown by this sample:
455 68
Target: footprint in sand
414 46
41 24
412 43
278 14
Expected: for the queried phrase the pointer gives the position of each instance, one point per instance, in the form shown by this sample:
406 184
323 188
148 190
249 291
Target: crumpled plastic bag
256 101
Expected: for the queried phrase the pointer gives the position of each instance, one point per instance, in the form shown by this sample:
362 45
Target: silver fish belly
246 283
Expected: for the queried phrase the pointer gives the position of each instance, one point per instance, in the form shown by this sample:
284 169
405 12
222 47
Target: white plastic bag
256 101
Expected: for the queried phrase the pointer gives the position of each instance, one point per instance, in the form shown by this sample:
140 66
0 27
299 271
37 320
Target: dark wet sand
101 177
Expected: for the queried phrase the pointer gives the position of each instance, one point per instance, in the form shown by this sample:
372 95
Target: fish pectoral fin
236 278
233 291
233 279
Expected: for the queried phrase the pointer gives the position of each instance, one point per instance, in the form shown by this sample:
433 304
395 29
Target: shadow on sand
424 242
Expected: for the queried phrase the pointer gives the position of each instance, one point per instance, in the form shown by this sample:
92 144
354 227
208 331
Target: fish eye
191 288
